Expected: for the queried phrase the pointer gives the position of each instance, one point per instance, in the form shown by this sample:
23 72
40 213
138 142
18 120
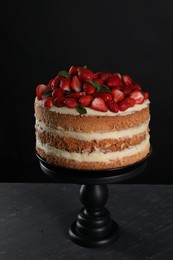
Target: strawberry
117 75
137 96
85 74
77 95
118 95
40 90
127 80
136 86
65 84
126 90
76 84
59 101
112 105
88 88
145 94
85 101
99 80
99 104
48 102
105 76
114 81
105 96
72 71
58 92
131 102
70 102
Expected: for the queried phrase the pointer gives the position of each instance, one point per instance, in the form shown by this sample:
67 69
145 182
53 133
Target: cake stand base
93 226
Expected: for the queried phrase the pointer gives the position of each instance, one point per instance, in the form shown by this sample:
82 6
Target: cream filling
92 112
96 156
130 132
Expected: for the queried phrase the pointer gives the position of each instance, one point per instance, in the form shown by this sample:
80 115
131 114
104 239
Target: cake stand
93 226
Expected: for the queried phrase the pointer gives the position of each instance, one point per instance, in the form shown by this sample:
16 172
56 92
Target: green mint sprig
99 87
81 109
64 73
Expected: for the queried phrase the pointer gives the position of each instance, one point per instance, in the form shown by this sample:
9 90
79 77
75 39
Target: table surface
35 217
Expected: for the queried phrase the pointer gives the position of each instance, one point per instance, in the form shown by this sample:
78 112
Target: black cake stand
93 226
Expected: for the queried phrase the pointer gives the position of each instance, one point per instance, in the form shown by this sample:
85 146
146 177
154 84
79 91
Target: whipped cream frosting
96 156
92 112
126 133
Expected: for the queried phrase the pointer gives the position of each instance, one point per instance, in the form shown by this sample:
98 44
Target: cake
91 120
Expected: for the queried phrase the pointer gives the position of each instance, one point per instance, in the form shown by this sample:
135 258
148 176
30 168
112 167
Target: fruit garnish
137 96
99 104
80 87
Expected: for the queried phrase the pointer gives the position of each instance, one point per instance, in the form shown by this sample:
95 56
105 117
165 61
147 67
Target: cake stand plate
93 226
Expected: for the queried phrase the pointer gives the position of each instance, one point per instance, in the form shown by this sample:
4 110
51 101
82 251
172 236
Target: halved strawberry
118 95
76 84
127 80
48 102
99 80
114 81
71 102
58 92
112 106
99 104
88 88
65 84
130 101
126 89
72 71
85 74
105 76
137 96
40 90
85 101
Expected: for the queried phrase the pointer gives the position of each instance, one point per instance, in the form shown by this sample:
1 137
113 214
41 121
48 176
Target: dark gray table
34 222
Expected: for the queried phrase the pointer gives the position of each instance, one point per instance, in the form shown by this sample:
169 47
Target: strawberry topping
80 87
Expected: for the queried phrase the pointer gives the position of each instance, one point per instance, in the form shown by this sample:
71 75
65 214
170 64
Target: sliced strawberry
59 101
65 84
77 95
71 102
85 101
112 106
105 96
48 102
127 80
117 75
76 84
118 95
114 81
85 74
72 71
54 83
137 96
88 88
99 104
58 92
40 90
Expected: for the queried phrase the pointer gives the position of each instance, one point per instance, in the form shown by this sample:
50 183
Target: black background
39 38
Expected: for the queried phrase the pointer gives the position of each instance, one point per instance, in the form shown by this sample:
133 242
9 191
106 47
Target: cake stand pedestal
93 226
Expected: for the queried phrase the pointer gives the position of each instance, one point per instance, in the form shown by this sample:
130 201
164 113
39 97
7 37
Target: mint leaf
64 74
47 93
85 66
81 109
99 87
